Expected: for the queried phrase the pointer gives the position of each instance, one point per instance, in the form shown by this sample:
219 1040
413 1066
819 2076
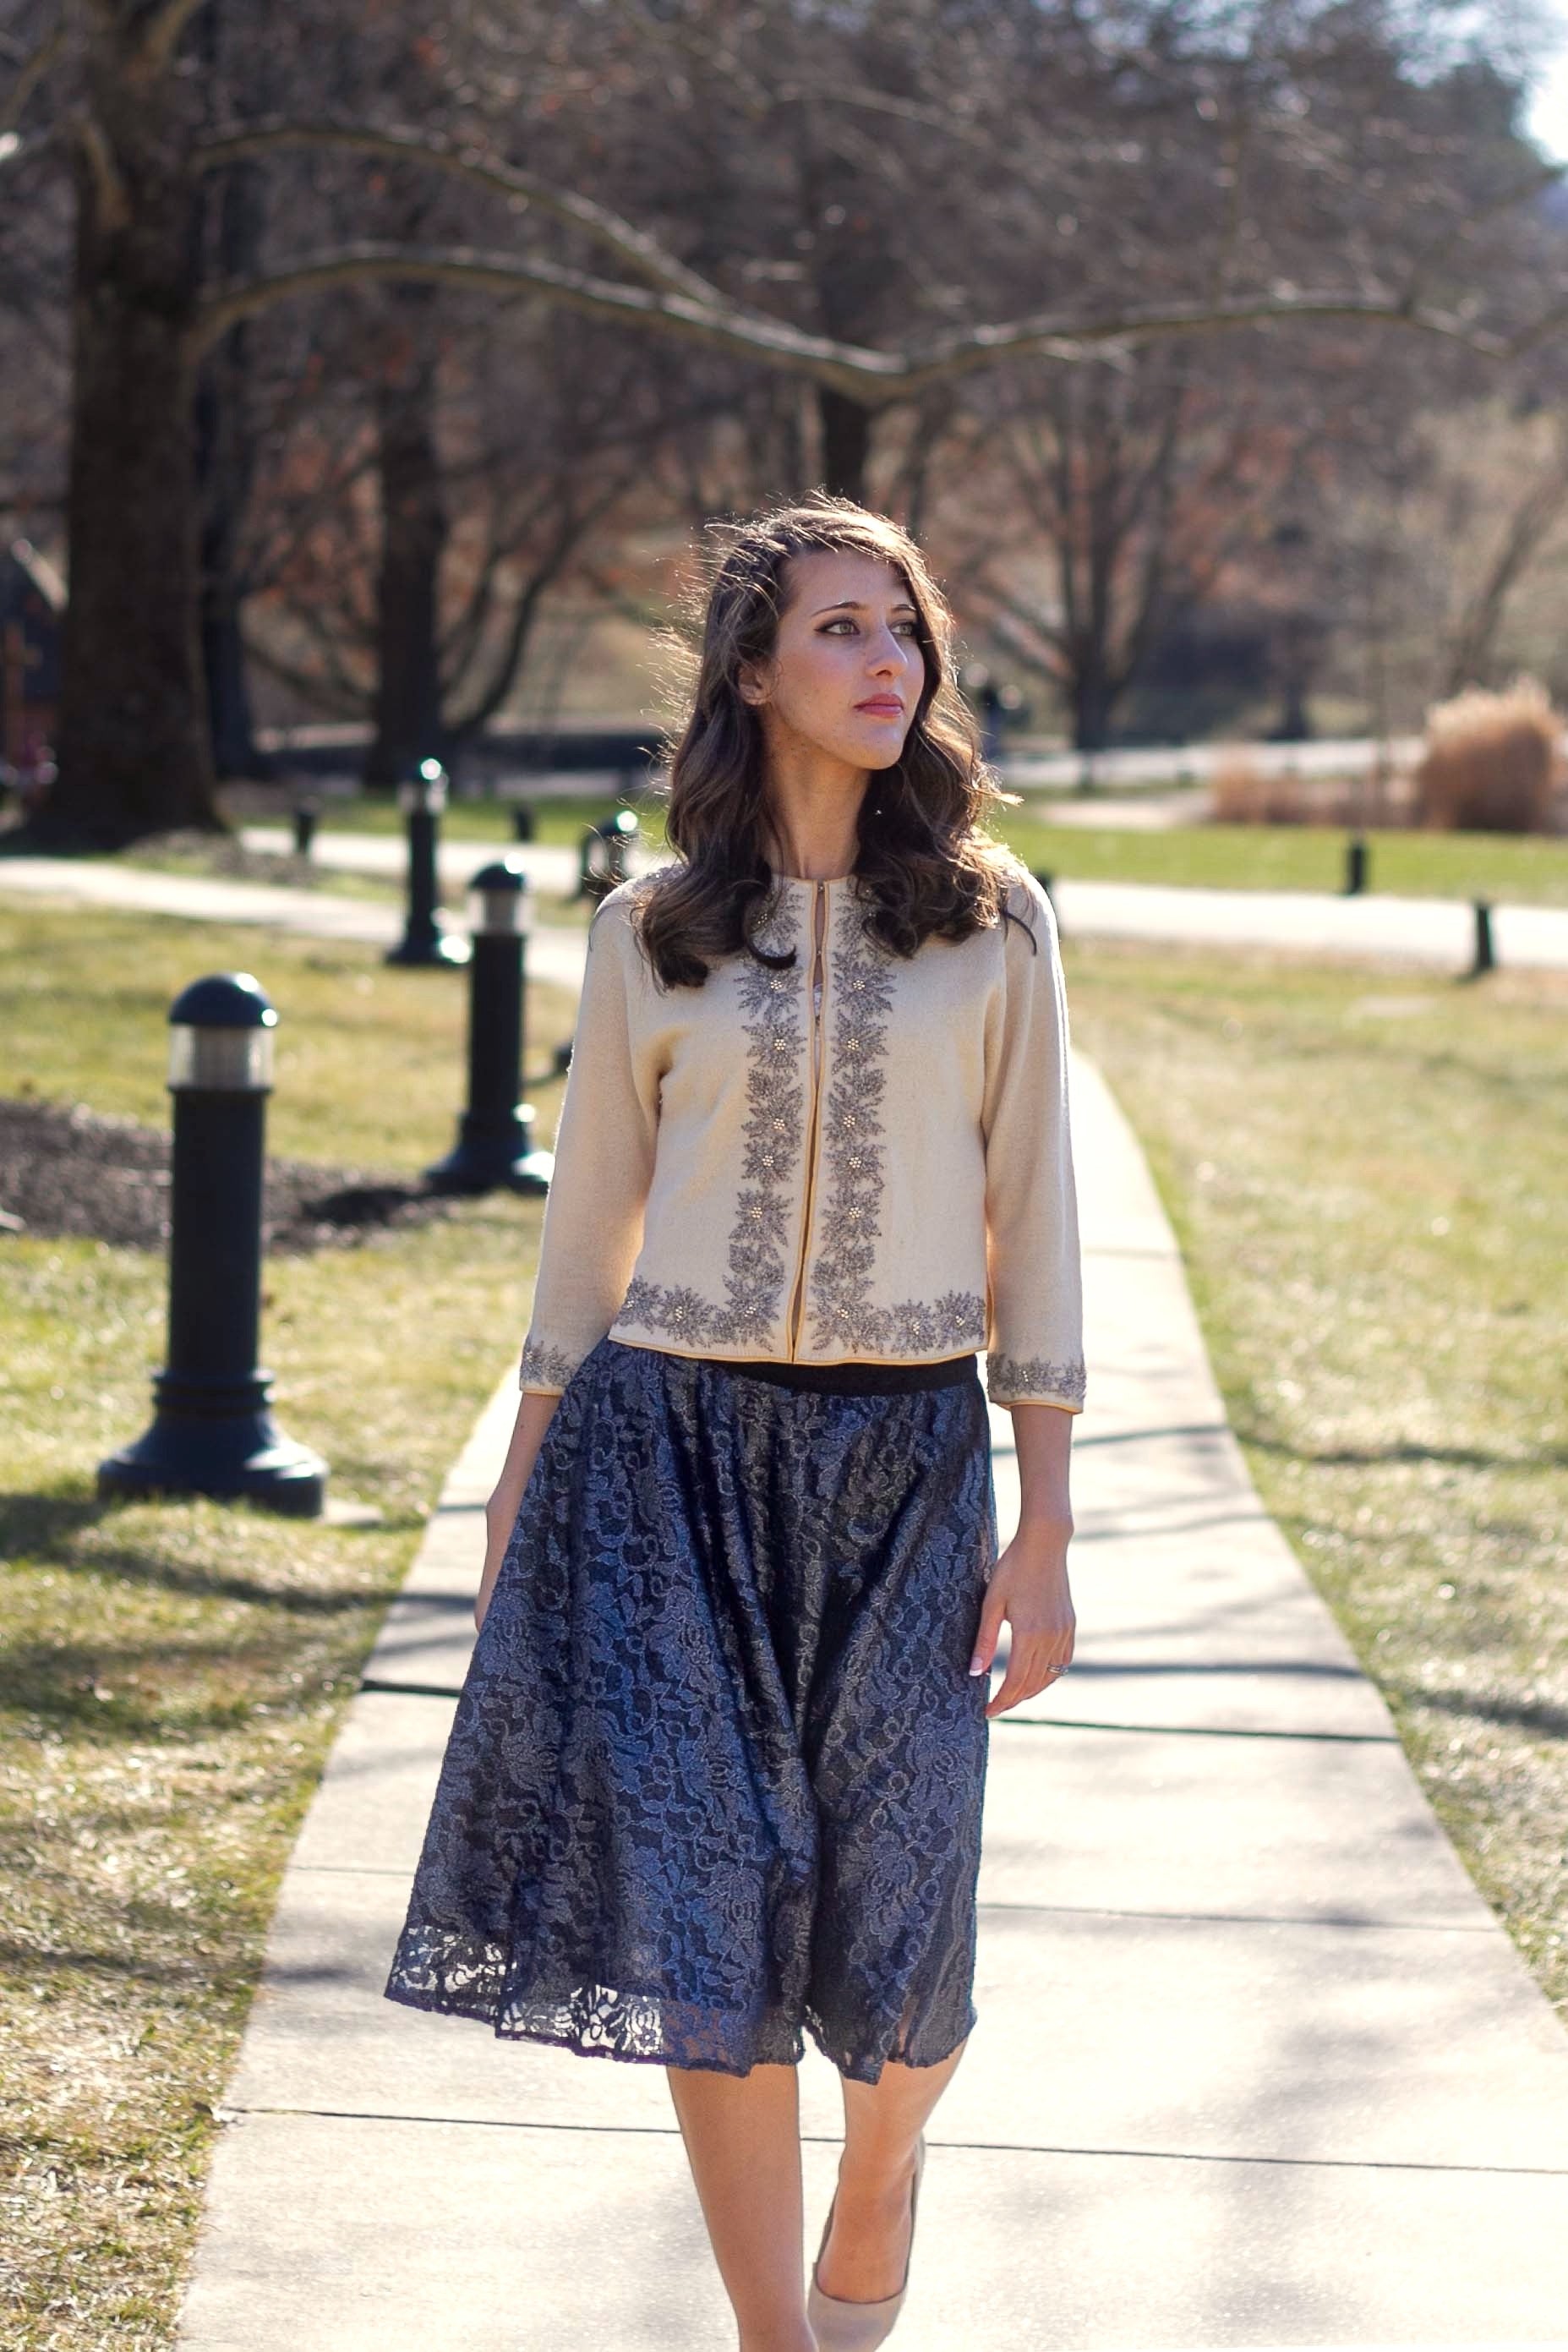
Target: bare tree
1266 164
536 439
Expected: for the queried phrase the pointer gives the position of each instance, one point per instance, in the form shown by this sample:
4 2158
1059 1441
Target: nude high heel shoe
841 2325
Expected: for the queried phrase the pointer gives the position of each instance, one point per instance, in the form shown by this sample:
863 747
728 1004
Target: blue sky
1548 113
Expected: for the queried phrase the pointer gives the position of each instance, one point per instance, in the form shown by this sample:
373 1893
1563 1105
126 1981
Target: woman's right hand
497 1535
535 1414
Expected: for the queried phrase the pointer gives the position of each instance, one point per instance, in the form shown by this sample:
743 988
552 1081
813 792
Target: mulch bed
68 1169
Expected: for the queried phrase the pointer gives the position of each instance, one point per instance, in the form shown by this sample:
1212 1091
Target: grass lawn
369 1055
1530 871
213 859
1365 1171
561 819
172 1675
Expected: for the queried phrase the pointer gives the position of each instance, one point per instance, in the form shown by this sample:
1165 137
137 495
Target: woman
715 1778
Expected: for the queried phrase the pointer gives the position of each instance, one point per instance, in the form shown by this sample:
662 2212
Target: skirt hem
578 2045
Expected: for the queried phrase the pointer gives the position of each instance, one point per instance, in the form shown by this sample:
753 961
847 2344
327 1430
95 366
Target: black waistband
853 1379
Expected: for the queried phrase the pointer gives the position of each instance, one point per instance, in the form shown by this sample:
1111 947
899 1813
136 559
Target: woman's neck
812 809
821 852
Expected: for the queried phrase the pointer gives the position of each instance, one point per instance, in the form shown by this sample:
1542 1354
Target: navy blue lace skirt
715 1776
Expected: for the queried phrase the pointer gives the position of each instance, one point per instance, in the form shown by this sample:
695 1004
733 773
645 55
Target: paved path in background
1255 2066
551 866
555 950
1436 933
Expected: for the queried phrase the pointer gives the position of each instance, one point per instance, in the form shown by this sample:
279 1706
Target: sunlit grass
1365 1174
1503 867
172 1675
369 1058
560 819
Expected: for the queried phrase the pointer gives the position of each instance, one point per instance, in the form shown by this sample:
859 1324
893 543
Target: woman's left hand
1029 1591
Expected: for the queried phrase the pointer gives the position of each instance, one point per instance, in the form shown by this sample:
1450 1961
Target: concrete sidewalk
555 950
1436 933
1255 2066
550 866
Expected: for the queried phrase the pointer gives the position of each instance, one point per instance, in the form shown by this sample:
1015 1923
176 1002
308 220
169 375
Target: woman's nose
890 654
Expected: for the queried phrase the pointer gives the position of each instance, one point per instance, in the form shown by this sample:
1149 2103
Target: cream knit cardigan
865 1159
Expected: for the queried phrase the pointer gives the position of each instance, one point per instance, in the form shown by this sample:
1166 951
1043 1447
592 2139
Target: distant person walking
715 1778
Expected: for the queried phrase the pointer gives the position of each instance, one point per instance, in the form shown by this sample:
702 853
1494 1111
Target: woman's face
846 670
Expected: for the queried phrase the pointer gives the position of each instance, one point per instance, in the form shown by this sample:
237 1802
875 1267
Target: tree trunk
225 467
1093 700
846 442
223 665
134 756
408 714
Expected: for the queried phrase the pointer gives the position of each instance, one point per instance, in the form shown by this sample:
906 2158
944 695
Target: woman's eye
911 629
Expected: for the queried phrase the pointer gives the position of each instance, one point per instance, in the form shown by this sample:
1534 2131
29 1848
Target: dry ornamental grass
1493 762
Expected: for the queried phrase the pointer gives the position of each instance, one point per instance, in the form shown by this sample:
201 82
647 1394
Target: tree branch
875 378
1455 234
571 528
1532 518
160 34
30 74
1540 332
640 251
114 201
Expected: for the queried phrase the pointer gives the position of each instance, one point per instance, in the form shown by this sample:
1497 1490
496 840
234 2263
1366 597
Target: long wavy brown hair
923 860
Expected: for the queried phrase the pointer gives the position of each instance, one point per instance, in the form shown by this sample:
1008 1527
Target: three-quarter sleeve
604 1151
1036 1352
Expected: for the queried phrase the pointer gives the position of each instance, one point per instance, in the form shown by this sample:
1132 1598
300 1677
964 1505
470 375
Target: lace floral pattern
715 1776
1022 1377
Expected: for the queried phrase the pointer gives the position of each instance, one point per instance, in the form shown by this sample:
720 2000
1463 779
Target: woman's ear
750 685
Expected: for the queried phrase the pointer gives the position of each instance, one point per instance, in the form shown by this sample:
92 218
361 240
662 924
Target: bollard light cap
500 900
426 791
219 1034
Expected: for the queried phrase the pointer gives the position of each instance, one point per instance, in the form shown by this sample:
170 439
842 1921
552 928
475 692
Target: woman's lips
886 709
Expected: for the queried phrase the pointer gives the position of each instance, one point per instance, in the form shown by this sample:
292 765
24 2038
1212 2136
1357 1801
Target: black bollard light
306 813
495 1135
213 1433
1355 857
602 859
421 797
523 825
1485 957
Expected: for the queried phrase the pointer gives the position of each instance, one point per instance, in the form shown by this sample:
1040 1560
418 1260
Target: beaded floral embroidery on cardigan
543 1362
853 1160
759 1264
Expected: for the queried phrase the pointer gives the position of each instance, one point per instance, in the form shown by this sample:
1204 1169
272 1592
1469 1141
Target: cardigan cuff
544 1370
1036 1379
